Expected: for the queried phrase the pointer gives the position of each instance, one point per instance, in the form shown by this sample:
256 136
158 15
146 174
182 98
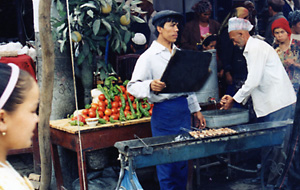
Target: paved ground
212 178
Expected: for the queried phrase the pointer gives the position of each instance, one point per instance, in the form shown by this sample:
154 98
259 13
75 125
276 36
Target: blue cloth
279 115
167 118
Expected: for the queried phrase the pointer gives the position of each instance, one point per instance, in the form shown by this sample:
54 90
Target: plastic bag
126 184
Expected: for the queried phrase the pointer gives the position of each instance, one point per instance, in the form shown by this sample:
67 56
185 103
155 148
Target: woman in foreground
19 97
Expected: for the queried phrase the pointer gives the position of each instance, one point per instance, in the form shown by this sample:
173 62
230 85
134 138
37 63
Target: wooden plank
63 125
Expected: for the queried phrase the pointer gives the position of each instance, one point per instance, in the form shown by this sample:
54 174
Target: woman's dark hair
24 84
161 22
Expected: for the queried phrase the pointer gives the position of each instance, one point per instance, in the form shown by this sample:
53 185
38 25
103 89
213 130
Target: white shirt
151 65
267 82
10 179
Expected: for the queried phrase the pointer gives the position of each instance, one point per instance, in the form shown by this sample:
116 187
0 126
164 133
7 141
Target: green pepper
147 103
138 113
125 82
112 120
116 91
108 81
144 111
111 93
74 122
97 114
107 96
87 106
131 107
102 121
122 101
119 88
122 115
130 117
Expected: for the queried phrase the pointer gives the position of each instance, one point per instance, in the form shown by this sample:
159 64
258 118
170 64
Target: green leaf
59 6
123 27
103 75
65 33
90 13
90 58
80 19
62 45
89 4
96 26
138 19
127 36
124 46
107 25
135 2
61 27
81 58
117 44
86 49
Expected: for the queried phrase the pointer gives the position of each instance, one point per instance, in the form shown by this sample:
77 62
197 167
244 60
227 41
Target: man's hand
228 78
226 102
199 119
157 86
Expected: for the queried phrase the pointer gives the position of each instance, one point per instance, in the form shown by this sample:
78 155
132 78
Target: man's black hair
277 8
209 39
161 22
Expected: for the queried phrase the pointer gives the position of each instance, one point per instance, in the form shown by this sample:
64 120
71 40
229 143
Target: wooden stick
46 92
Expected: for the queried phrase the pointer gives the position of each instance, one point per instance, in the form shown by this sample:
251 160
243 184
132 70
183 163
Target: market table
92 138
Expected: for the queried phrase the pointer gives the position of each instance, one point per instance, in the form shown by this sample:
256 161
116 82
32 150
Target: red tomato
134 106
92 113
126 112
125 96
108 112
101 97
123 88
106 118
101 108
92 109
114 116
120 104
114 110
127 108
115 104
80 118
117 98
85 111
101 104
150 111
131 98
94 106
106 102
118 109
101 114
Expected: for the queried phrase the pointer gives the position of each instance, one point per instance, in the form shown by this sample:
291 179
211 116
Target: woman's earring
3 133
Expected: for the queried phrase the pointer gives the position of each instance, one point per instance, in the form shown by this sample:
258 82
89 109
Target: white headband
239 24
15 71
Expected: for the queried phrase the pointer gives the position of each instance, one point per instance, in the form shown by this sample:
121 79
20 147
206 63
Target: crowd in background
203 33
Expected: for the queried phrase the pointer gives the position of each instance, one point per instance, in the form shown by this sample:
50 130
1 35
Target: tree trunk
46 92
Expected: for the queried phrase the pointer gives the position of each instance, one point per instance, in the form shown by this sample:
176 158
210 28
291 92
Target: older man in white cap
267 82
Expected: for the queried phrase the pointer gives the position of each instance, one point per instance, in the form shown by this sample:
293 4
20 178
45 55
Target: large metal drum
210 88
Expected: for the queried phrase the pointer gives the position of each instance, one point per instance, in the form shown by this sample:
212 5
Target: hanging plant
98 26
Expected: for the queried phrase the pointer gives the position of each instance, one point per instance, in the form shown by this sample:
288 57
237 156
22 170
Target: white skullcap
151 1
239 24
139 39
